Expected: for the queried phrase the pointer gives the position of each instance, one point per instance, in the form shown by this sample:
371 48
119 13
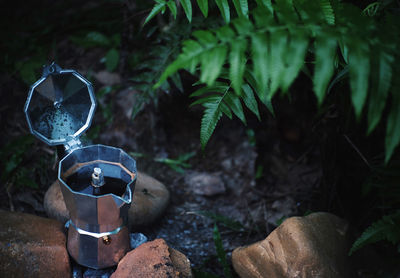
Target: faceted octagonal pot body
98 236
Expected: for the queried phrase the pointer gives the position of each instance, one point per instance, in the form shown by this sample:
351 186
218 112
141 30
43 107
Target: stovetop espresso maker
97 181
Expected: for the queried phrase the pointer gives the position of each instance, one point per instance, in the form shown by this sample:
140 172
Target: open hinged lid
60 105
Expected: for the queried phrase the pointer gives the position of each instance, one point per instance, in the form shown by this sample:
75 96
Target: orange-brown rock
150 199
312 246
153 259
32 246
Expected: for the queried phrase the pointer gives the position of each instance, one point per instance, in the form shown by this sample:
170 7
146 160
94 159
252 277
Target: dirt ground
289 173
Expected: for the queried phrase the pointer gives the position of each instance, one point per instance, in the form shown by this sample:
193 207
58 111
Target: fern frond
327 11
158 7
392 138
203 5
237 62
359 69
387 228
381 81
267 51
261 62
212 114
223 7
242 7
325 49
187 8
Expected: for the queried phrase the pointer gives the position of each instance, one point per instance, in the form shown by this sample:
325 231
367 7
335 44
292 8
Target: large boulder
312 246
32 246
150 199
154 259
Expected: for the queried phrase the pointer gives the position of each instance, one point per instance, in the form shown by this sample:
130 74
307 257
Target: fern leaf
260 63
263 17
223 7
327 11
212 63
172 7
225 34
242 7
207 99
237 61
325 49
187 8
191 53
249 77
387 228
209 121
380 88
294 59
235 105
209 89
278 43
225 109
156 9
250 100
243 26
265 3
203 5
392 139
359 67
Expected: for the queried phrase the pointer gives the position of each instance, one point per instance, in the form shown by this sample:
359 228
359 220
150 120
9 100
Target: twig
357 150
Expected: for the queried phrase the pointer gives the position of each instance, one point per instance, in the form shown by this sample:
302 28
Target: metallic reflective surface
98 235
60 105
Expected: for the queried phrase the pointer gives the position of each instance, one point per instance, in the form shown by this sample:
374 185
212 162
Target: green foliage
266 52
13 156
223 220
387 228
98 39
179 163
112 59
220 99
221 252
241 8
162 47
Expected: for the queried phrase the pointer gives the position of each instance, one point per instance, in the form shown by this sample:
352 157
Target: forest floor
259 189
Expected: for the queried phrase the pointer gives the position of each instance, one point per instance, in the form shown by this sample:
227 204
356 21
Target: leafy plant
241 7
179 163
13 156
97 39
221 219
162 47
221 252
267 49
387 228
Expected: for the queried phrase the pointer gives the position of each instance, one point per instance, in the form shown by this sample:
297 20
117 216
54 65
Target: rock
32 246
150 199
312 246
205 184
137 239
181 263
153 259
54 204
98 273
107 78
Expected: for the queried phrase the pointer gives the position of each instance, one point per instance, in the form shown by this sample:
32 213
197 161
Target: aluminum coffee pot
97 182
